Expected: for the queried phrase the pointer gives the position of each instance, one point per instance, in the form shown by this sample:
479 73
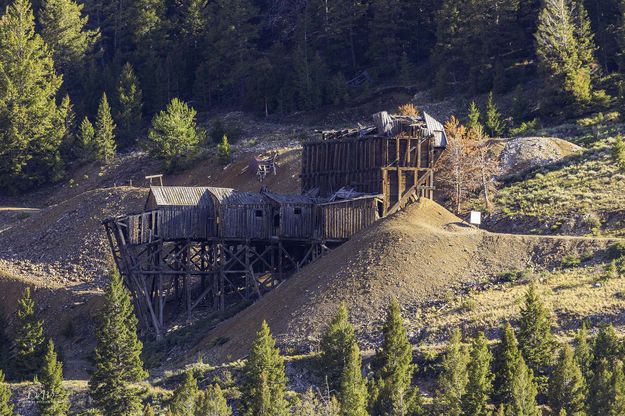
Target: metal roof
436 129
180 196
287 199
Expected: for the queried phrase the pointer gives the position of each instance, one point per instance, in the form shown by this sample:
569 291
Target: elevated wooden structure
213 247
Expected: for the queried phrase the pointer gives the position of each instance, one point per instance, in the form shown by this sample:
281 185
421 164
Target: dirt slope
415 256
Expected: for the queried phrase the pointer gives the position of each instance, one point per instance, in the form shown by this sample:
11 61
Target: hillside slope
417 256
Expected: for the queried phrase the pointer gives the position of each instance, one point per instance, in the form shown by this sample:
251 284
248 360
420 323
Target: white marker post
476 218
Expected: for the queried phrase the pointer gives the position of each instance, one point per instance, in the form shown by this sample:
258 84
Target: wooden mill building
215 247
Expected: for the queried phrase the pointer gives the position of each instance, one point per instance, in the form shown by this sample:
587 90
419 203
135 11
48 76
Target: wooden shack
342 219
184 212
242 215
292 216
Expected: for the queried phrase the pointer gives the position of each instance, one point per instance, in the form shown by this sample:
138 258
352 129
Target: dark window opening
297 211
259 213
380 206
276 220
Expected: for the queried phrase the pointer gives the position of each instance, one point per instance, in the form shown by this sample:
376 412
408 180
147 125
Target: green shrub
525 128
619 152
616 251
570 262
513 276
223 151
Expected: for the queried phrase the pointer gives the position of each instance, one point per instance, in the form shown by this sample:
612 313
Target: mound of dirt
526 153
66 242
416 256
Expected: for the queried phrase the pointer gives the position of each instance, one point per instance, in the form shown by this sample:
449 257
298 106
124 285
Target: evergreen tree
336 345
104 139
213 403
118 364
148 411
494 123
619 152
391 391
507 358
63 27
264 381
32 124
560 55
524 391
617 404
56 399
223 151
85 144
606 345
474 116
30 346
535 338
185 398
6 408
479 385
353 385
453 379
567 387
130 101
583 353
174 135
316 404
600 391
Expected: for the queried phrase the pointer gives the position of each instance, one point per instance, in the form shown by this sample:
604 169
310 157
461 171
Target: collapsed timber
213 247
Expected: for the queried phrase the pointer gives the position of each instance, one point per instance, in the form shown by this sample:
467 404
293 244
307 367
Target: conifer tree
316 404
32 124
353 385
535 338
118 365
619 152
223 151
104 139
479 385
560 55
148 411
524 391
30 346
453 379
213 403
264 381
606 344
185 397
56 399
85 143
130 102
617 404
336 345
474 116
63 27
584 356
494 124
174 136
567 387
391 391
600 391
507 359
6 407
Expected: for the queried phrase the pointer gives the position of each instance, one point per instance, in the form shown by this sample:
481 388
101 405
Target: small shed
342 219
242 215
184 212
292 216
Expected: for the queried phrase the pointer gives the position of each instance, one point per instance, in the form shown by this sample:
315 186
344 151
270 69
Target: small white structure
476 218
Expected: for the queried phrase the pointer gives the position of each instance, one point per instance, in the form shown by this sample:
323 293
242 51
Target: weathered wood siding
186 222
341 220
142 228
296 221
245 221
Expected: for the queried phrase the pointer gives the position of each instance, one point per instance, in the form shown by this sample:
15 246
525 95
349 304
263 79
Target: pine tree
118 364
30 346
600 391
32 124
494 123
453 379
63 27
617 404
174 135
619 152
264 384
185 398
312 403
353 385
507 358
535 338
85 144
104 139
567 387
6 407
56 402
606 345
148 411
560 57
130 101
336 345
391 391
223 151
213 403
583 353
524 391
474 116
479 385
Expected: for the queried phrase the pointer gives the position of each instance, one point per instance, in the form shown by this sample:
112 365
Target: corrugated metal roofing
180 196
288 199
436 129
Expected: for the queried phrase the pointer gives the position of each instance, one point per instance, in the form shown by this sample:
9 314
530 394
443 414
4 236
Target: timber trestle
167 278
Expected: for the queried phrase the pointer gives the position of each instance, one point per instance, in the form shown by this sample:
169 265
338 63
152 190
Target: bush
616 251
619 152
575 261
525 128
219 130
223 151
513 276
